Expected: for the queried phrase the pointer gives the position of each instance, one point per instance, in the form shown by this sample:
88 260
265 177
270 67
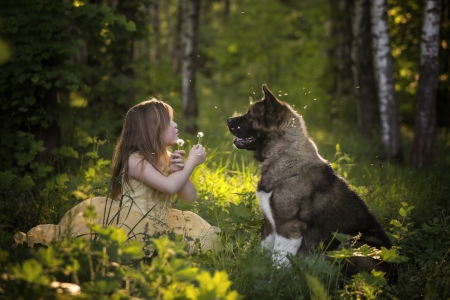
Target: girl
145 176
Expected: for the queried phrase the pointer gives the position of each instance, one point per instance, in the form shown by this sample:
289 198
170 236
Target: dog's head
262 118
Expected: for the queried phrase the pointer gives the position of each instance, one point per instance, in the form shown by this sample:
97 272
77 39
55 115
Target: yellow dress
142 211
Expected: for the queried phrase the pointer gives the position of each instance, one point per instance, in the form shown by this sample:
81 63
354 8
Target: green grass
412 204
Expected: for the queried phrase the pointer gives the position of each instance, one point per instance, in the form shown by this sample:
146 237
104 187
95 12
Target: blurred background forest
70 70
75 67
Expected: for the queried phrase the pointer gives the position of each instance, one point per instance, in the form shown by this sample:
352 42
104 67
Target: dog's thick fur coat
303 200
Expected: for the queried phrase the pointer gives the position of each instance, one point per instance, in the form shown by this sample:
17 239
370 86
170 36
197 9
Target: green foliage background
67 71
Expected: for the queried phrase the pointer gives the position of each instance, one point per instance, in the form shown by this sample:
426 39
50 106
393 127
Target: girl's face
171 134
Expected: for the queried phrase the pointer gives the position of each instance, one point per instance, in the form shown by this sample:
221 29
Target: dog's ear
271 103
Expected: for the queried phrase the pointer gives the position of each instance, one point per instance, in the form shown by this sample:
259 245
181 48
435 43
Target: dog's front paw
281 260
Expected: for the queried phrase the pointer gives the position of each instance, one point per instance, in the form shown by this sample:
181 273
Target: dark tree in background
363 71
189 68
390 126
177 48
443 94
425 118
60 48
155 20
343 31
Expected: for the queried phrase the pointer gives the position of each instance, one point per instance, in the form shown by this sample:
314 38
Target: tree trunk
443 94
123 61
50 135
363 72
166 7
425 117
390 127
188 92
343 49
155 10
178 38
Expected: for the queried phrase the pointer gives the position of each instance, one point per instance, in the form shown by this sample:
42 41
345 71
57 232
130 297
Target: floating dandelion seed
285 94
180 143
199 135
305 106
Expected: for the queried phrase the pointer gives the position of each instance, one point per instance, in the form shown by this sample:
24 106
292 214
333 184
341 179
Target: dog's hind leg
268 237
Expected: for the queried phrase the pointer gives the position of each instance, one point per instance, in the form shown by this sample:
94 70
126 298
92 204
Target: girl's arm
173 183
176 163
188 192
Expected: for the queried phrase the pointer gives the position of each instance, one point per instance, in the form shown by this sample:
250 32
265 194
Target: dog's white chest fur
277 244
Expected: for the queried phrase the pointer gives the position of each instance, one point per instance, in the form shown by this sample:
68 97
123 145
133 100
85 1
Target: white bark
390 128
425 117
430 31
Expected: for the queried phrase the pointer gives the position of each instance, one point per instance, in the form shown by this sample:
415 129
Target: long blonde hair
142 132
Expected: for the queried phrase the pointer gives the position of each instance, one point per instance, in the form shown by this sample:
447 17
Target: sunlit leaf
31 271
132 250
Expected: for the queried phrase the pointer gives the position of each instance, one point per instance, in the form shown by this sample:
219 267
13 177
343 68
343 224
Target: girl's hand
197 154
176 161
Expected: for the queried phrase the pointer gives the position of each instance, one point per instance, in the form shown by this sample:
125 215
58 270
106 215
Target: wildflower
199 135
180 143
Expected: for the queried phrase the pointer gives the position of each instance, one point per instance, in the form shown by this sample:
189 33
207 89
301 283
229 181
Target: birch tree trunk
188 72
363 72
425 114
390 127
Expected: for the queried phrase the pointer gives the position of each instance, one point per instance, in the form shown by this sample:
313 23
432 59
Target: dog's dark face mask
251 129
245 135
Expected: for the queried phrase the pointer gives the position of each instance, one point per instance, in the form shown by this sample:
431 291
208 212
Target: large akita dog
303 200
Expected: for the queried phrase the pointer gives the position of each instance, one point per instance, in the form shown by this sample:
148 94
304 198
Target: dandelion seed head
200 134
180 142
